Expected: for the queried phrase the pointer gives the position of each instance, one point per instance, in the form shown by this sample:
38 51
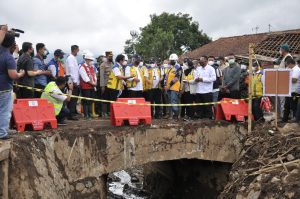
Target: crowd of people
172 81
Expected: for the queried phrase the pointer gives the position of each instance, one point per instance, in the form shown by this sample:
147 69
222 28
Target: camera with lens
14 31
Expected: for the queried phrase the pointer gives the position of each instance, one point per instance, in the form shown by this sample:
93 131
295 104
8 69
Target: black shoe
73 118
62 123
6 137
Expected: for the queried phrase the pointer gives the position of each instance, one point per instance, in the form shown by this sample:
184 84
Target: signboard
277 82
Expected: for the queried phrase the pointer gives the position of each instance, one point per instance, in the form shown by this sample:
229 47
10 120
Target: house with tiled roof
267 45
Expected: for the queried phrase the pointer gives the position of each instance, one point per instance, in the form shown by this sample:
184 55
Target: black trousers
110 94
204 111
187 98
87 104
290 104
24 93
63 114
256 109
155 97
135 94
165 101
73 102
38 94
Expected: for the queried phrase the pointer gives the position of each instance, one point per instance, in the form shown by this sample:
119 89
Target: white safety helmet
89 56
173 57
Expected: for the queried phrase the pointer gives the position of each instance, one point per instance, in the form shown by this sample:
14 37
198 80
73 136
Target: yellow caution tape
138 104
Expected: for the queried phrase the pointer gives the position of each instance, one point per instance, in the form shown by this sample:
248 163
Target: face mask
153 65
280 52
243 67
211 63
254 68
173 62
231 61
104 59
91 63
125 63
141 64
219 63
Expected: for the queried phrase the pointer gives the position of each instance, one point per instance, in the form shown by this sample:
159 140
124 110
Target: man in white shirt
72 70
205 75
291 102
135 84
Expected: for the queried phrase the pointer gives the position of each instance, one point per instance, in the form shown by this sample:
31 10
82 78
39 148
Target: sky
101 25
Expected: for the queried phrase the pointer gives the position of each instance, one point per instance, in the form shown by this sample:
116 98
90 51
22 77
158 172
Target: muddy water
127 185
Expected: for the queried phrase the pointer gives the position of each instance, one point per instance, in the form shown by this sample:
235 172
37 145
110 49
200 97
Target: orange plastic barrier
233 109
34 112
134 114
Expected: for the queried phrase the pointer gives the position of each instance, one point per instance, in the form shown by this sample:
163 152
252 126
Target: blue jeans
173 99
6 104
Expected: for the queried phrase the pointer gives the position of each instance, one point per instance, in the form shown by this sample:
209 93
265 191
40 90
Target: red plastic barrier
134 114
35 112
237 109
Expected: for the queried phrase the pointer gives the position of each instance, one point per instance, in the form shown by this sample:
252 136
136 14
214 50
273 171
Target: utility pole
269 27
256 29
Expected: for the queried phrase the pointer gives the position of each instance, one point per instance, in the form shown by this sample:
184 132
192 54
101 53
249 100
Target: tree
169 33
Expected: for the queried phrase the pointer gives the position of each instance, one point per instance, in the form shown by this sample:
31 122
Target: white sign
33 103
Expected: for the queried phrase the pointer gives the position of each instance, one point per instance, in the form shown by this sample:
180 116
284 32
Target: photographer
8 73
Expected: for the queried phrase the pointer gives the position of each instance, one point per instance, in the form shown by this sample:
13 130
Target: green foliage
167 34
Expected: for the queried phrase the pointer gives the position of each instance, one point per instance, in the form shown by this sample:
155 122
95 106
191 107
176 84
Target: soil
269 166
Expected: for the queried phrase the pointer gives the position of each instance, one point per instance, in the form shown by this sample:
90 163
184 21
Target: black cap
58 52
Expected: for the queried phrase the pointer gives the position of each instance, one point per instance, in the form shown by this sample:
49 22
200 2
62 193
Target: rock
89 184
134 179
71 187
275 179
80 187
253 194
290 157
271 132
288 128
126 187
289 194
243 188
292 176
258 179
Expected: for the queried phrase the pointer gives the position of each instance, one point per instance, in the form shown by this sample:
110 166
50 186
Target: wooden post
251 55
276 100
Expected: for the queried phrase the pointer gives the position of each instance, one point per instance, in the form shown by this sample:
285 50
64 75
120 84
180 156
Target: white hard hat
173 57
89 56
126 57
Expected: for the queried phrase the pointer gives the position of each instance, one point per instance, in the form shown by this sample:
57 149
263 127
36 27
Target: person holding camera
54 94
8 73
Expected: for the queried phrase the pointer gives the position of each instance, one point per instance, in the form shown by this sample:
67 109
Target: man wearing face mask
145 80
135 84
172 85
25 63
231 83
55 65
88 82
39 64
187 97
153 87
205 75
218 82
164 69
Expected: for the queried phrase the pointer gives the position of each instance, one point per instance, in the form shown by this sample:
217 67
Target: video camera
16 32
